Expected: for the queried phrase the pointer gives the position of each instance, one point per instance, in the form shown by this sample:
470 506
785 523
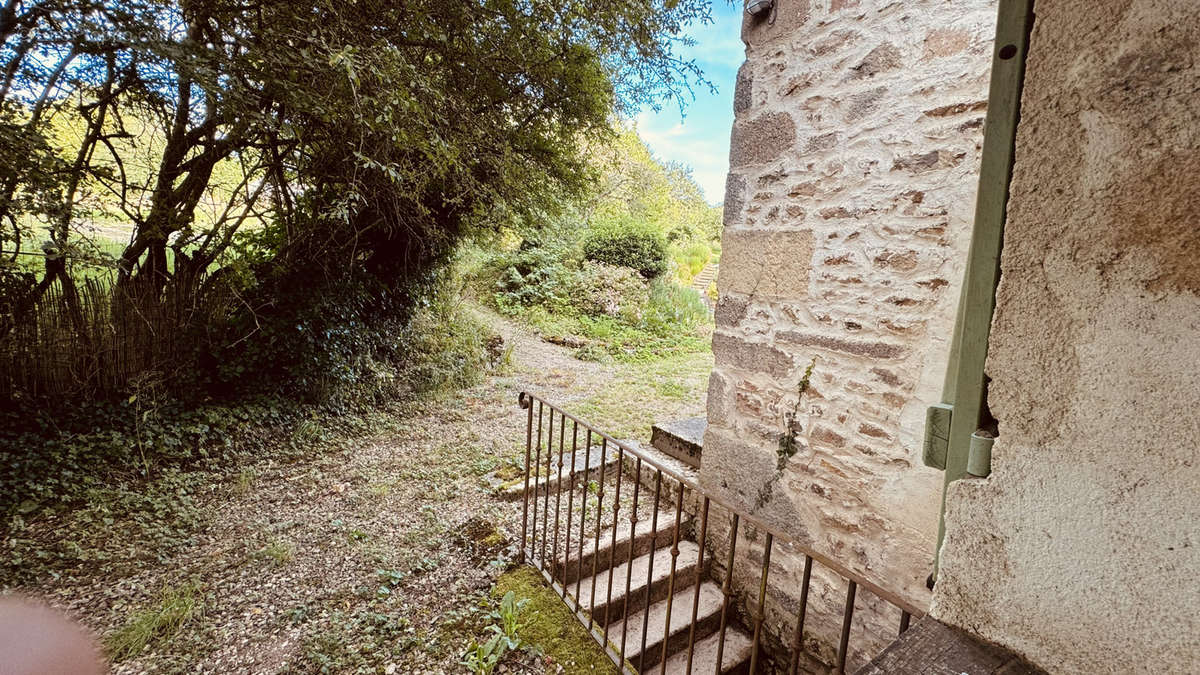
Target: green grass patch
619 407
156 625
548 625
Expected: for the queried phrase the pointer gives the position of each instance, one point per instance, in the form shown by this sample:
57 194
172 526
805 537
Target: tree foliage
290 150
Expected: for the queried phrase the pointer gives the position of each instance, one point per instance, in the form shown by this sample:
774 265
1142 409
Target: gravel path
374 555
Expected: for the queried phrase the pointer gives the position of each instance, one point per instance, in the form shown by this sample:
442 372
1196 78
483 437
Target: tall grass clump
176 608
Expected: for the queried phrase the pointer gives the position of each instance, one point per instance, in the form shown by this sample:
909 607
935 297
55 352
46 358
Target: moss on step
550 626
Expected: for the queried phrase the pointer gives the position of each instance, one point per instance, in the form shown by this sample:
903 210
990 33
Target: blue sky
700 139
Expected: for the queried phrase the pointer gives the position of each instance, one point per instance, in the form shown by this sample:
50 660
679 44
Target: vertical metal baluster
587 470
905 617
566 559
726 591
599 516
798 639
847 618
696 597
612 548
633 518
762 604
546 502
525 495
650 568
671 584
537 464
558 499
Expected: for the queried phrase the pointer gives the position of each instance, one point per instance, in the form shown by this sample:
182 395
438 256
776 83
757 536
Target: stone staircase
610 523
706 276
599 581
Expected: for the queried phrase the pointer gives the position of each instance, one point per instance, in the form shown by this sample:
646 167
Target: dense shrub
629 244
49 449
605 290
534 275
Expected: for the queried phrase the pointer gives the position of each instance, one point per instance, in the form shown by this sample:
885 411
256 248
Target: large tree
319 139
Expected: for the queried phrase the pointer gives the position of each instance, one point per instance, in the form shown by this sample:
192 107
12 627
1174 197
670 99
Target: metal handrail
598 615
525 400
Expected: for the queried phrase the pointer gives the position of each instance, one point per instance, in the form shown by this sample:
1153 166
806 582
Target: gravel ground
374 555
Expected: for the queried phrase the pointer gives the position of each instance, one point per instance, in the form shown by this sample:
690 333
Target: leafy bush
605 290
627 243
153 446
534 275
358 342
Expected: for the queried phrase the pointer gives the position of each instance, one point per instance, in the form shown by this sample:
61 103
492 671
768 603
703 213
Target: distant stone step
708 618
609 610
735 657
705 277
578 463
681 439
567 567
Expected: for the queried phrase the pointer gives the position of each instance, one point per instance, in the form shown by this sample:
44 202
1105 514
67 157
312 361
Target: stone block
881 59
877 350
761 139
873 431
861 105
827 436
946 42
773 264
743 91
719 402
822 142
904 261
751 356
735 198
730 311
927 161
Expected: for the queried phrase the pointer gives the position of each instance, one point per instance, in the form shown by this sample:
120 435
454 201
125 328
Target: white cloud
701 139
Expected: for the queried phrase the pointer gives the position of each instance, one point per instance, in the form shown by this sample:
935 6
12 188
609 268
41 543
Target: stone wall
1081 549
853 170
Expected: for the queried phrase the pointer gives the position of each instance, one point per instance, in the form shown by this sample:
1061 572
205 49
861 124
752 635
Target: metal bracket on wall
937 435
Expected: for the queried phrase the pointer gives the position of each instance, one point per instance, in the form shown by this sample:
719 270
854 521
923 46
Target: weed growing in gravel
279 550
176 607
482 658
244 481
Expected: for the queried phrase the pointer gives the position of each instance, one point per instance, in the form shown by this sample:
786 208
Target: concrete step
577 463
734 659
609 611
567 567
708 619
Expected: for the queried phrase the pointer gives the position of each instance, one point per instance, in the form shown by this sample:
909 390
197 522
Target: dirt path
375 555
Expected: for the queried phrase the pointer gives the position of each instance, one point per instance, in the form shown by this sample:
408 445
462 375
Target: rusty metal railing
595 549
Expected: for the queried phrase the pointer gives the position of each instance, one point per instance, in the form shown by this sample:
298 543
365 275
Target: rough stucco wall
1081 550
853 170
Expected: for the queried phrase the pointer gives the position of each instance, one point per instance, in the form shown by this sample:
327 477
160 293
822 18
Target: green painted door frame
951 429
